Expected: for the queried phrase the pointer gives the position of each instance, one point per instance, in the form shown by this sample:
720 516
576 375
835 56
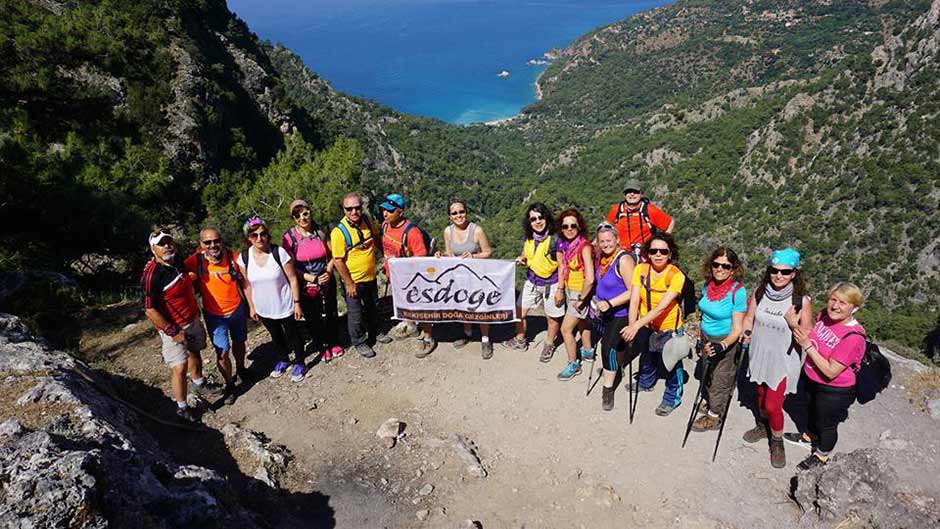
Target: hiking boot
383 338
186 415
297 373
207 389
365 350
607 398
757 433
705 423
802 440
461 342
229 398
778 454
486 349
548 351
811 462
516 343
427 347
279 369
664 409
570 371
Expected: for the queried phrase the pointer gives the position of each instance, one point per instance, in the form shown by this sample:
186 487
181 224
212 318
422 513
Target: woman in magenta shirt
834 350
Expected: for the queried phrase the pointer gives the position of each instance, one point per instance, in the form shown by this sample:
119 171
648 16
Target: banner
449 289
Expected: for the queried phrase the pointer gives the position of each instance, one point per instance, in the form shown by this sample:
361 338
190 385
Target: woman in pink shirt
834 350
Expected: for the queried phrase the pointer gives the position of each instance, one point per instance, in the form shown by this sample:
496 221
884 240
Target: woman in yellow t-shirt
655 316
576 281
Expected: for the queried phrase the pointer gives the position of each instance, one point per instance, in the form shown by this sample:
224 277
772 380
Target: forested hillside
755 123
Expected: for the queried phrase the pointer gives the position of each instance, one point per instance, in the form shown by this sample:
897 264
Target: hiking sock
181 405
199 381
712 414
484 339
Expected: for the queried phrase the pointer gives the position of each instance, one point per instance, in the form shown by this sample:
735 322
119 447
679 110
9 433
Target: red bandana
718 292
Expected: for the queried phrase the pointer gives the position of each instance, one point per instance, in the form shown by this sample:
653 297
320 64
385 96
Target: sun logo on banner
431 270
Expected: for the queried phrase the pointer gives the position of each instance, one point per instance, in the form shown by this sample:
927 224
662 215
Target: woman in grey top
775 361
467 240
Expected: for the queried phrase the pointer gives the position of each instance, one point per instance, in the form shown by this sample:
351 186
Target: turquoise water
438 58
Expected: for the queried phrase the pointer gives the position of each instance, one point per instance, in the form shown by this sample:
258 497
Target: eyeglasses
459 212
353 208
569 226
536 218
631 191
305 214
783 272
212 242
257 234
659 251
164 242
723 266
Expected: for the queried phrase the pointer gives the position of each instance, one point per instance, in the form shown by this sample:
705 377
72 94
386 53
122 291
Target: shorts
175 353
220 327
532 296
572 297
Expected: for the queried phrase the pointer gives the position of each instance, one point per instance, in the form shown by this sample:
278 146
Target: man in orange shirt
403 238
212 268
636 218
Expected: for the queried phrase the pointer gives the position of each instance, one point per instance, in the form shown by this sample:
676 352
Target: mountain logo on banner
445 273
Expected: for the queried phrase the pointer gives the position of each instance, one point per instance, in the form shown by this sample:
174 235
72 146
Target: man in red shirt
403 238
636 217
170 304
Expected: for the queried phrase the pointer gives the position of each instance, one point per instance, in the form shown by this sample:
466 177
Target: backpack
202 267
429 242
274 253
348 236
872 374
644 215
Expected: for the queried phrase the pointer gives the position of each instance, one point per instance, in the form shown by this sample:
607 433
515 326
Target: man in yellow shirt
352 242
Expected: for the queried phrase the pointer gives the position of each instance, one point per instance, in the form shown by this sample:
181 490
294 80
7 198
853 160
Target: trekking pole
630 393
599 329
698 396
737 365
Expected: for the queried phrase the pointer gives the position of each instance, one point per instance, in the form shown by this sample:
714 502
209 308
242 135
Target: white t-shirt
270 289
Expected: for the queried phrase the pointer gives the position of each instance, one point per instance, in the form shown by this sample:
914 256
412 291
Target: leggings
613 348
285 333
771 403
829 406
313 317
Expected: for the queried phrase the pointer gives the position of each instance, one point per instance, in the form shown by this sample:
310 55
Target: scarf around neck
716 292
779 295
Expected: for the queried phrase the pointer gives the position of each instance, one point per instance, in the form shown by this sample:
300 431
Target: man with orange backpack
403 238
636 218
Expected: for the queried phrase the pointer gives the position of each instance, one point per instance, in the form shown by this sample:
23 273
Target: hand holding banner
450 289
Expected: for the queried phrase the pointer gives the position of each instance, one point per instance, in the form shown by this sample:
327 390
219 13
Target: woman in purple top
834 351
614 274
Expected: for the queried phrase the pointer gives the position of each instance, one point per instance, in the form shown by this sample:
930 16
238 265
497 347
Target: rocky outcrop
72 456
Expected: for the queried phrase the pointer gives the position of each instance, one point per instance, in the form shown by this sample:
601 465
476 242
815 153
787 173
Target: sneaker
207 389
705 423
607 399
811 462
587 355
365 350
229 398
487 350
279 369
186 414
427 347
326 356
757 433
461 342
337 351
664 409
383 338
570 371
778 454
516 344
297 373
799 439
548 351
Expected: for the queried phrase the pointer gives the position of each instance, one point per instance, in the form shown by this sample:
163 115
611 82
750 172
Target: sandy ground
554 458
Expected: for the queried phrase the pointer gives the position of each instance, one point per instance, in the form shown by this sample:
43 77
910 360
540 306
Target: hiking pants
719 381
285 333
829 406
362 313
613 348
770 401
652 369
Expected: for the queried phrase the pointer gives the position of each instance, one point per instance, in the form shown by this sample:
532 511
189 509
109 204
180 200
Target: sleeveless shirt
770 341
610 284
469 245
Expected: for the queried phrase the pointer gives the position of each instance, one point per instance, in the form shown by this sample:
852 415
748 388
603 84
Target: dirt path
554 459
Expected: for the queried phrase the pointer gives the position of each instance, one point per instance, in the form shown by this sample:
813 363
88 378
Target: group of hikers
619 281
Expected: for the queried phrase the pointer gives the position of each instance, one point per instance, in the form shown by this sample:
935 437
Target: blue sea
438 58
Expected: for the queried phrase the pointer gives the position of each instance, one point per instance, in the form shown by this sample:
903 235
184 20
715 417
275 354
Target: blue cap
786 257
393 202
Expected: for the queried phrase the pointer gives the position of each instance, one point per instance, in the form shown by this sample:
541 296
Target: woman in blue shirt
723 305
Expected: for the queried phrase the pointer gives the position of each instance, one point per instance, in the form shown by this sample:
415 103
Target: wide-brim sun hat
677 348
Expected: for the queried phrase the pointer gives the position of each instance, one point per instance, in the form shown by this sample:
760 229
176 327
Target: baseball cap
633 183
298 202
393 202
155 238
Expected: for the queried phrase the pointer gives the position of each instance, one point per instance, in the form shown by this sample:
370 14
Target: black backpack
872 374
689 299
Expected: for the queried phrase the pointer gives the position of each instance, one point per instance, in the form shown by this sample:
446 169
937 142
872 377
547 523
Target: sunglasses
659 251
165 243
785 272
723 266
569 226
305 214
258 234
536 218
460 212
353 208
631 191
211 242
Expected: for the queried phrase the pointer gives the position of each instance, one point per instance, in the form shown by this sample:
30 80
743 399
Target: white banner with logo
449 289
